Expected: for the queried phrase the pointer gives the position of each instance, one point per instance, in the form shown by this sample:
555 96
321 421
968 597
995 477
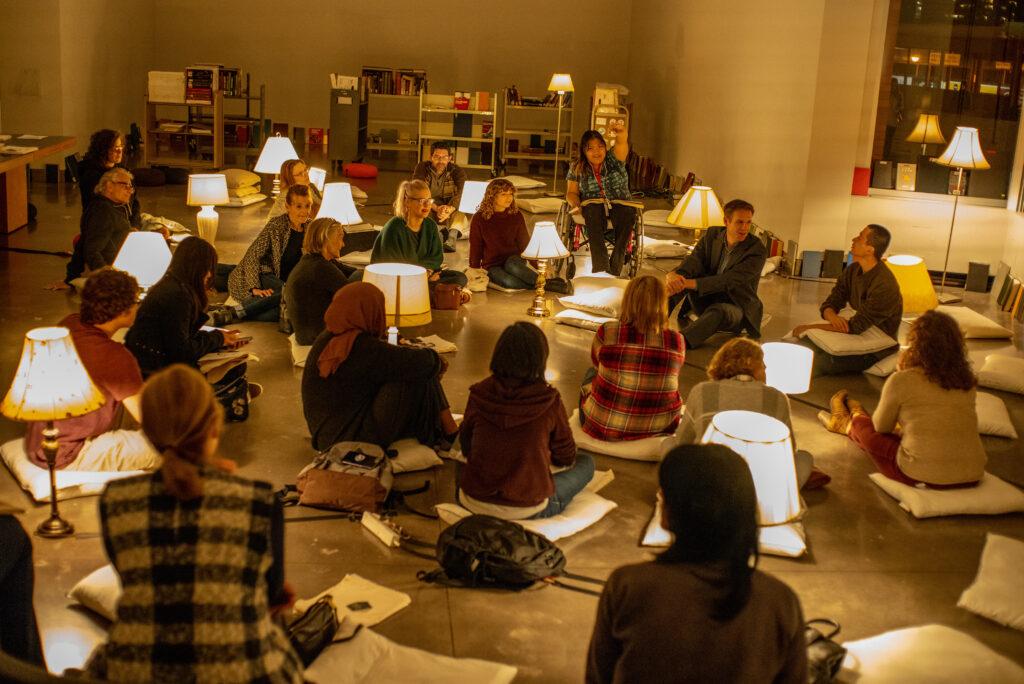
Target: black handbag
312 631
824 656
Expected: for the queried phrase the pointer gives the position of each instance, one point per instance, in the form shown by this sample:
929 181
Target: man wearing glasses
445 179
105 224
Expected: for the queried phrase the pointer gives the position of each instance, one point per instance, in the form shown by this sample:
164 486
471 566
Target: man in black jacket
105 224
719 279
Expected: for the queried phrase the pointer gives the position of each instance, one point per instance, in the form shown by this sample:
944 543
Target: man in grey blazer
719 279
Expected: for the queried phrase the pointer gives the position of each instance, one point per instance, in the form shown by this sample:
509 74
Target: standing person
931 396
445 179
700 612
870 288
515 431
200 554
105 225
294 172
596 175
106 151
719 279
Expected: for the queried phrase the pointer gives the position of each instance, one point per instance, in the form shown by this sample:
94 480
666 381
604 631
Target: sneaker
449 244
255 390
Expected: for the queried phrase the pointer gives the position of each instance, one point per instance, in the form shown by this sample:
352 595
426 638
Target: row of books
386 81
1011 297
646 174
515 98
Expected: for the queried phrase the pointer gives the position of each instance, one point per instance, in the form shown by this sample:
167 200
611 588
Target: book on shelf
198 96
388 81
513 97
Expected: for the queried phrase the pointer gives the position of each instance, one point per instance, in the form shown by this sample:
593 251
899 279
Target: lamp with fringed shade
914 282
406 294
544 244
339 205
699 209
561 84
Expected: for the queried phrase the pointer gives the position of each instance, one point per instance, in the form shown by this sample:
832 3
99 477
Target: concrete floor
870 566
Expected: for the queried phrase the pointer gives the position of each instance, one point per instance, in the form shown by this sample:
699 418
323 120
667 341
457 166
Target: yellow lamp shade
207 189
338 204
51 383
788 366
699 208
765 444
561 83
964 150
545 243
914 282
472 196
144 255
927 130
276 151
406 293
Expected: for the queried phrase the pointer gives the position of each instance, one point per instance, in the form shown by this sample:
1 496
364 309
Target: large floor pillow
658 218
992 496
70 484
585 509
664 249
581 319
647 449
995 592
993 418
600 295
358 170
540 205
788 540
524 183
245 201
844 344
1002 372
973 324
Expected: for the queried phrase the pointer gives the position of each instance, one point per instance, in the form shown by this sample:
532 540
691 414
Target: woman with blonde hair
294 172
193 535
632 391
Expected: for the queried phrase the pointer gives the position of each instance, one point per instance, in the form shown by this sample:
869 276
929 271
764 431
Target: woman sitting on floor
411 237
200 554
632 391
700 612
931 397
514 431
737 383
294 172
315 279
357 387
106 150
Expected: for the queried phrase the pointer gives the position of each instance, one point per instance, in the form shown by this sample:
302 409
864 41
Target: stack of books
386 81
199 81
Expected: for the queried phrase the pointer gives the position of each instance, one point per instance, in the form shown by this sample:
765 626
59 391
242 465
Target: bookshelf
185 135
530 129
471 130
394 98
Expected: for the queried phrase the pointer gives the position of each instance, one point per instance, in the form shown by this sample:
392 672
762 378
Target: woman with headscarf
357 387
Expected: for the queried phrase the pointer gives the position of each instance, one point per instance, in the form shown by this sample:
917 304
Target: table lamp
964 152
319 176
276 151
699 208
914 282
472 196
544 244
788 366
339 205
765 445
145 256
51 383
562 84
926 131
206 190
406 294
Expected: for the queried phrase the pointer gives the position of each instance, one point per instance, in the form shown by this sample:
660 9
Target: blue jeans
266 309
514 274
568 484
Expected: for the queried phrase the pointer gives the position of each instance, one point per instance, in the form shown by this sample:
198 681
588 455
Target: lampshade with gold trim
914 282
699 209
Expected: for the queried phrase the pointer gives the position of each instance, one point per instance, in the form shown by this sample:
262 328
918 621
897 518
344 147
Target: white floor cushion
356 258
369 658
477 279
1002 372
524 183
354 589
99 591
845 344
70 484
992 496
993 418
606 301
664 249
413 456
300 352
585 509
777 540
245 201
581 319
885 367
931 653
996 591
973 324
658 217
646 449
540 205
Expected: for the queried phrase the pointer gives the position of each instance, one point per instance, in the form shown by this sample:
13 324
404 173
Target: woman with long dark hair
700 612
931 396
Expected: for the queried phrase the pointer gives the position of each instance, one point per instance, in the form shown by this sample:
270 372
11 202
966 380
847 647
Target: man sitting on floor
95 441
718 280
446 180
105 224
870 288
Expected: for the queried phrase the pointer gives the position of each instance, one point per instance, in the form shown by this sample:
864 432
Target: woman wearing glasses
294 172
106 150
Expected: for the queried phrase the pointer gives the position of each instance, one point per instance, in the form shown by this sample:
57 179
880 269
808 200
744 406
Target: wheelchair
573 233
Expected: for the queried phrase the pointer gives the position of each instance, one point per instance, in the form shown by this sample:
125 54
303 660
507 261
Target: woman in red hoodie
514 431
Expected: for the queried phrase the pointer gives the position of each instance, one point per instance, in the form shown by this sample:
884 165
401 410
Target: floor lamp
964 152
562 84
51 383
276 151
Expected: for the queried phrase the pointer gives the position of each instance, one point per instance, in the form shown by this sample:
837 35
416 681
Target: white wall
30 76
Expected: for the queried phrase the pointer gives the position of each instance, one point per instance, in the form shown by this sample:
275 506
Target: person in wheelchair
719 279
602 177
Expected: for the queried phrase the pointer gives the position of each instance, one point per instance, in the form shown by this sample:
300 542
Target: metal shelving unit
437 122
523 121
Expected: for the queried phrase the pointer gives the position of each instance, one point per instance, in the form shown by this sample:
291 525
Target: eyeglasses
424 202
441 157
124 183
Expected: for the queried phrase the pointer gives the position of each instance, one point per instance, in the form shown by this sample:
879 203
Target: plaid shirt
636 391
614 181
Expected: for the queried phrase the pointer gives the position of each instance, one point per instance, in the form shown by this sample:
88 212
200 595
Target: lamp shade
472 195
51 383
927 130
699 208
338 204
545 243
206 189
914 282
319 176
561 82
406 294
145 256
764 443
276 151
788 366
964 150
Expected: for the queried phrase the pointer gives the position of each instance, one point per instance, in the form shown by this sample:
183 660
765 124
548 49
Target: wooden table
13 183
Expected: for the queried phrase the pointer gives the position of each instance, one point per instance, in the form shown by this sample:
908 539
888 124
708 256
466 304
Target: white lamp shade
964 150
319 176
561 82
276 151
699 208
545 243
406 293
206 189
765 445
144 255
472 195
338 204
914 282
51 383
927 130
788 366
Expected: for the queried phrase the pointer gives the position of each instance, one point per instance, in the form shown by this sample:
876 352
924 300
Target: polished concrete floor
869 565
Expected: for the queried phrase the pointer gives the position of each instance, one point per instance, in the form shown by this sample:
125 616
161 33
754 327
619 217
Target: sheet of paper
28 136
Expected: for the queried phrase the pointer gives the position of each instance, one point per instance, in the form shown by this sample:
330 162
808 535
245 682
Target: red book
316 136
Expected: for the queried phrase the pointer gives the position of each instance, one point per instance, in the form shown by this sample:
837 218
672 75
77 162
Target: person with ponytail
701 611
200 554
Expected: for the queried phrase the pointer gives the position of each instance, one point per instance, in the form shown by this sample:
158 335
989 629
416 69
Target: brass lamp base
277 185
54 526
538 308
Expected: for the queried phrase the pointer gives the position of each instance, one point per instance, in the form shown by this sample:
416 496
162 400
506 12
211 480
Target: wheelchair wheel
566 228
636 247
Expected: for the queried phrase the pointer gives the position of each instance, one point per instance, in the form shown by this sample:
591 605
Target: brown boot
839 420
856 408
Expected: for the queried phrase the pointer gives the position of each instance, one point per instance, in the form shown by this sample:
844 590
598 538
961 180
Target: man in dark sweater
105 224
870 288
446 180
